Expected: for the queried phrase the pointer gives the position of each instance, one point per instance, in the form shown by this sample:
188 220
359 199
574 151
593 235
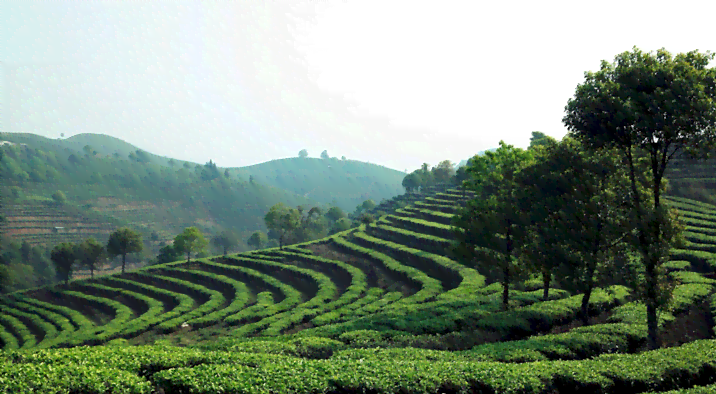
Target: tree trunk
652 323
584 313
124 261
506 289
280 242
652 326
224 250
546 278
188 255
92 271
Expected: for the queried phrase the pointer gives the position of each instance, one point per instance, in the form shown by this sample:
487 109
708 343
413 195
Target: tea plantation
377 309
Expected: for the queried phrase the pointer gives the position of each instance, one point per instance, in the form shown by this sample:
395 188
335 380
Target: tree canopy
257 240
124 241
649 106
64 255
490 227
283 220
191 240
90 253
226 240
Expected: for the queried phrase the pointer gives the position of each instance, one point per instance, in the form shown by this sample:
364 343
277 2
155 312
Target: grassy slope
367 301
345 183
166 199
148 197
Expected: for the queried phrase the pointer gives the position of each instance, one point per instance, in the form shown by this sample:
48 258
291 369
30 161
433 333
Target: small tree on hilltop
123 242
190 240
303 154
324 155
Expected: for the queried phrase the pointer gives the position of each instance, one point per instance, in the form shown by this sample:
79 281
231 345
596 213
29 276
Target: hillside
104 186
344 183
379 308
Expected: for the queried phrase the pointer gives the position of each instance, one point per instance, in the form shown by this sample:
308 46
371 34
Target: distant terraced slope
368 300
46 224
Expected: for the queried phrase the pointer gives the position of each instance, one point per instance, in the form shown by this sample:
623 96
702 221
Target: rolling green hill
379 308
344 183
154 194
102 190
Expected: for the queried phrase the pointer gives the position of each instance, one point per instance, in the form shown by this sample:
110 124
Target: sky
396 83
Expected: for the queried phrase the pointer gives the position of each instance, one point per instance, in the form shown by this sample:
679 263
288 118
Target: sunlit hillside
108 183
380 308
344 183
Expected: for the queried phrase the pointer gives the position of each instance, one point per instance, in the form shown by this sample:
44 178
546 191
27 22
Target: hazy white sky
396 83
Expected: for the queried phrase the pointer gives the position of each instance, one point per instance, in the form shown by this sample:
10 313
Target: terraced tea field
377 309
39 224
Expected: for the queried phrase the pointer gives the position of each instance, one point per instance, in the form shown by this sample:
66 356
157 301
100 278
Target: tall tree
64 255
122 242
257 240
190 240
283 220
90 253
489 228
226 240
650 106
578 202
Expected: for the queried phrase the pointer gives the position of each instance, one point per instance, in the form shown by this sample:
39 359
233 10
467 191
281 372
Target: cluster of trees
89 253
324 155
23 265
443 173
587 211
191 240
67 256
289 225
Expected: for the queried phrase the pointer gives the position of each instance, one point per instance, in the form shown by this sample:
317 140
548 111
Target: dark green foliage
124 241
64 256
59 197
226 240
90 253
490 228
648 106
191 240
257 240
167 254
